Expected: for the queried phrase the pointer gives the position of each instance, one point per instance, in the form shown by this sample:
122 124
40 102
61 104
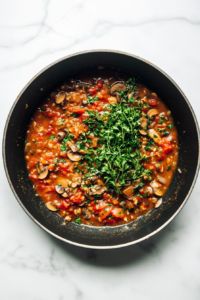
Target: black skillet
30 98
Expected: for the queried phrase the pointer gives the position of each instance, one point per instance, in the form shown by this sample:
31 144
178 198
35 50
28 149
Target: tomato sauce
58 167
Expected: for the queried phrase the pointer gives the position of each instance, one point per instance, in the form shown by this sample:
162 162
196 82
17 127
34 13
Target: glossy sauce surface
64 156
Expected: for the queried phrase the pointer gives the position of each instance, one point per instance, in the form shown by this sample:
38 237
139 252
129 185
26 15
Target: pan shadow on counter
125 255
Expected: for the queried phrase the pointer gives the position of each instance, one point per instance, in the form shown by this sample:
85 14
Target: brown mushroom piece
152 113
76 179
154 135
148 190
73 156
42 171
161 179
129 190
59 189
27 147
65 195
143 124
154 184
60 97
72 146
60 136
51 207
134 95
117 86
98 190
158 203
159 192
82 203
87 214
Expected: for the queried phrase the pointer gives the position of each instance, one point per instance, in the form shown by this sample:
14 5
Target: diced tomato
61 204
145 109
33 177
100 205
111 221
64 173
142 191
78 110
48 112
118 213
93 90
83 117
76 196
65 204
48 155
42 187
51 167
58 203
49 130
100 84
105 212
107 196
166 146
152 102
32 163
64 166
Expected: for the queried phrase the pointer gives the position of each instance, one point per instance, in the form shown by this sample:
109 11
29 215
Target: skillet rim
13 189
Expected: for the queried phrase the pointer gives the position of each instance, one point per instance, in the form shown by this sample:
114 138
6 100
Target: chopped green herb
170 126
78 220
52 137
169 168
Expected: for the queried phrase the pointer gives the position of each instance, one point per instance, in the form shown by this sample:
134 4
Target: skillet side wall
33 95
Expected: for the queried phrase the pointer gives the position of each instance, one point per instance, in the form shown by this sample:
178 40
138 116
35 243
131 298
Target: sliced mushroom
152 113
59 189
74 156
161 179
129 190
76 180
51 207
148 190
60 97
82 203
117 86
42 171
97 190
154 184
65 195
86 213
159 202
93 178
154 135
134 95
82 84
72 146
26 149
61 136
143 122
159 192
142 132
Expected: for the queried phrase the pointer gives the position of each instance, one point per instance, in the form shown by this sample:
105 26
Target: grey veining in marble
34 265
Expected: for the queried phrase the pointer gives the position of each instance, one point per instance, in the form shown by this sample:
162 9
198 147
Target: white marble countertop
36 266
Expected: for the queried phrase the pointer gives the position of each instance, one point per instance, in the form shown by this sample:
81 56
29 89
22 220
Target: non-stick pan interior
31 97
